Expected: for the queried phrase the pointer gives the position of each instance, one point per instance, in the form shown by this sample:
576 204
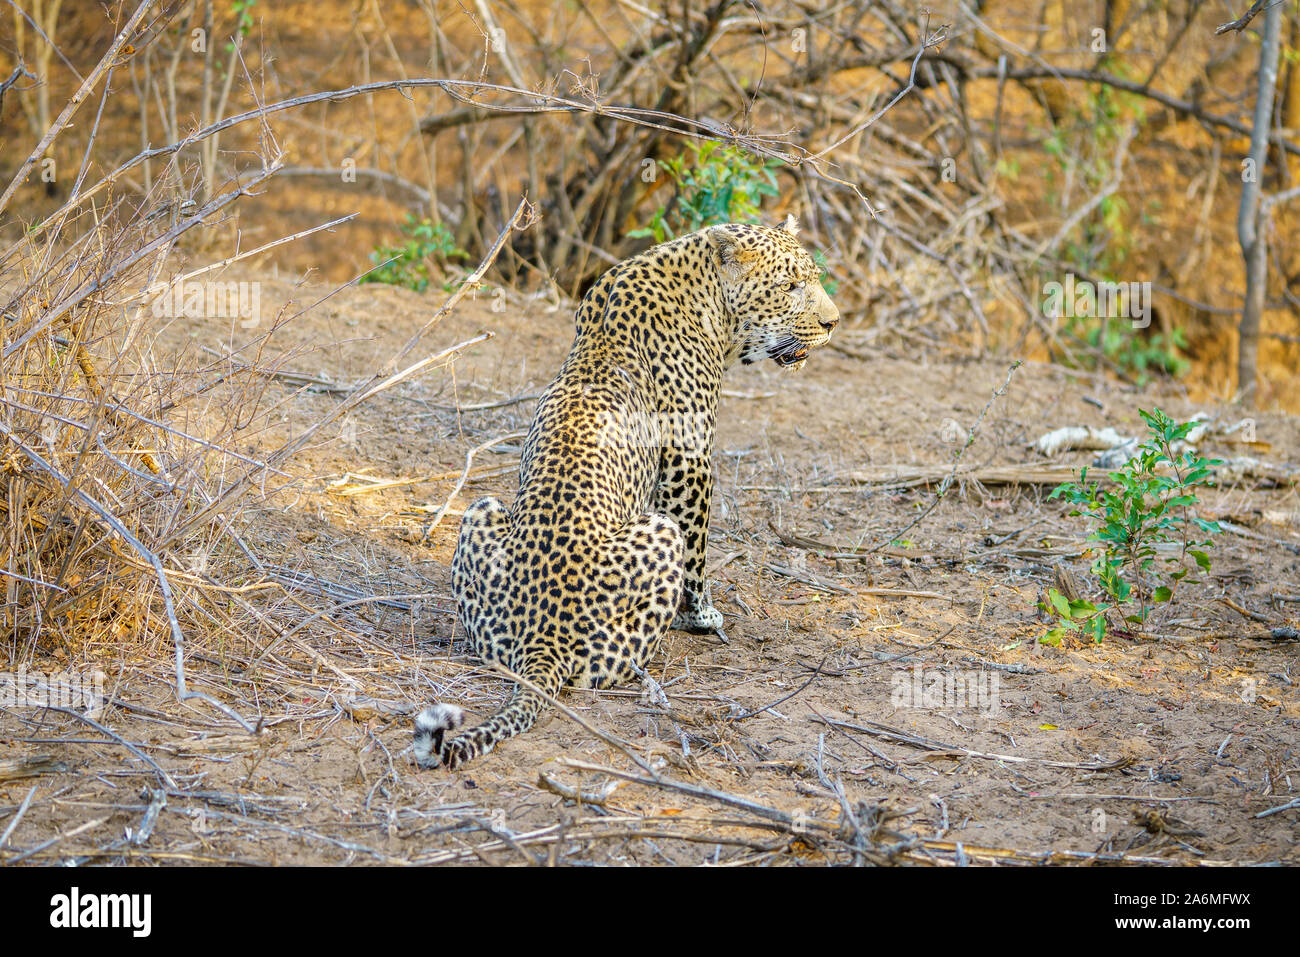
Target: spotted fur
603 549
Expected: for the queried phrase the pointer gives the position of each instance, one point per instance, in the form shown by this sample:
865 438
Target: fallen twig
817 672
18 816
464 477
28 766
1289 805
694 790
894 734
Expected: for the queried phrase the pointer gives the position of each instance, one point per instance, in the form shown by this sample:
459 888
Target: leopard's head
772 290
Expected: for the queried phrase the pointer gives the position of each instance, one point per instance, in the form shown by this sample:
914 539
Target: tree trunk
1291 99
1249 232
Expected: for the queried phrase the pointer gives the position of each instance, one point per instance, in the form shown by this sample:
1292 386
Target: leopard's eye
791 287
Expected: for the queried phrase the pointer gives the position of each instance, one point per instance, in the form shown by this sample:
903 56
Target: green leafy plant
717 184
1143 526
408 264
714 184
1132 354
243 19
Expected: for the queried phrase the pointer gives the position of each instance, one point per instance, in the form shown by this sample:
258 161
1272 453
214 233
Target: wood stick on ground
354 484
1015 669
1052 857
867 746
817 673
163 776
902 593
1236 529
1246 612
894 734
45 845
1273 810
354 398
18 816
574 794
28 766
708 794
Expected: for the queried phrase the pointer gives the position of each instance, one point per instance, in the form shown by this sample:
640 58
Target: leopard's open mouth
791 356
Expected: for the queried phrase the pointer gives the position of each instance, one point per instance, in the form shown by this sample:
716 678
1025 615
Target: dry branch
895 734
907 476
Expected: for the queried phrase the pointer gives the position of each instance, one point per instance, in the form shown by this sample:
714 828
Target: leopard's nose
830 322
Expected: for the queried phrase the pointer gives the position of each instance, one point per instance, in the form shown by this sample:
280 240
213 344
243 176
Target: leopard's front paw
697 615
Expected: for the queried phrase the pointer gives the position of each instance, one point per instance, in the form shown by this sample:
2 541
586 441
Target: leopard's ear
732 256
791 225
724 243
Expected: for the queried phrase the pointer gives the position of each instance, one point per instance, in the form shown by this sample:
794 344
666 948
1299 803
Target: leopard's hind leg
592 640
480 571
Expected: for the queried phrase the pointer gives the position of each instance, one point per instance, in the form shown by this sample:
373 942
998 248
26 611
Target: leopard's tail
434 746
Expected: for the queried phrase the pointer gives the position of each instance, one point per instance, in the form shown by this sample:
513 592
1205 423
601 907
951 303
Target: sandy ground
1164 748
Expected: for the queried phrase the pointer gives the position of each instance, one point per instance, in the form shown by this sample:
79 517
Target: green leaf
1098 627
1162 594
1059 602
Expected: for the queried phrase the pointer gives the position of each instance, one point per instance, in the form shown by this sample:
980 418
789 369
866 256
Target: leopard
602 552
